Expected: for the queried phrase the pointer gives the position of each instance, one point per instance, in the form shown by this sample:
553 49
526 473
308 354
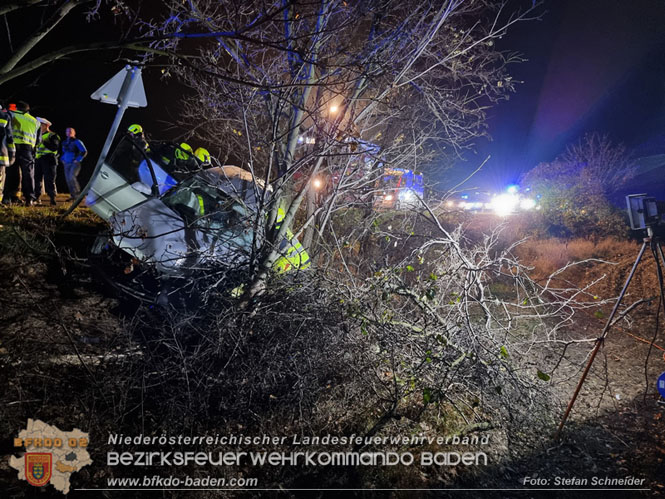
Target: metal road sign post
125 90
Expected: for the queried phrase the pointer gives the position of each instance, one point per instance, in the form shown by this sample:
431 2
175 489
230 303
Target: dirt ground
616 427
55 324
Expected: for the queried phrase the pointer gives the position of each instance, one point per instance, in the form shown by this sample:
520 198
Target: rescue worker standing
73 152
27 134
46 164
7 149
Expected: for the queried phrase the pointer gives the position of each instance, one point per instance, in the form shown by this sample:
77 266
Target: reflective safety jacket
50 144
26 128
293 255
7 149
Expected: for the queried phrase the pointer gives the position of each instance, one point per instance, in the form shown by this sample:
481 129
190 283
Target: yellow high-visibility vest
25 128
42 150
293 254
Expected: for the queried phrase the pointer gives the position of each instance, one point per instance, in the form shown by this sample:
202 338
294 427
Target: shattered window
207 208
126 159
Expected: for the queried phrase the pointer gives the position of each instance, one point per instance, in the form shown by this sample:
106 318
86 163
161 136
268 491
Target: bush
576 189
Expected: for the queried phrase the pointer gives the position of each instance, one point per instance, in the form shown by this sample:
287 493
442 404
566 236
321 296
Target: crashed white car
169 212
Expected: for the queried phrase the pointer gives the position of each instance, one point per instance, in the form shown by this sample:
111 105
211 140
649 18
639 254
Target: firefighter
136 131
7 149
27 134
132 148
184 151
203 156
185 161
46 164
293 255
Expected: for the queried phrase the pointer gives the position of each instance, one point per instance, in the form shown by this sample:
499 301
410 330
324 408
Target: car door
117 186
110 193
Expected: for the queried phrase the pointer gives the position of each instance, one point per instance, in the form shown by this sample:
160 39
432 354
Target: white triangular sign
137 98
109 92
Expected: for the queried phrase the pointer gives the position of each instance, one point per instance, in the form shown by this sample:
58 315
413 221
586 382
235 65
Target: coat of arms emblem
38 468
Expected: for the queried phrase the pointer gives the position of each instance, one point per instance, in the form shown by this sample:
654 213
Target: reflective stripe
301 256
283 264
4 159
42 150
295 257
3 122
25 129
202 210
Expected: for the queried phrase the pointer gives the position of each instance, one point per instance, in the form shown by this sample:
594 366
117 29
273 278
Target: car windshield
130 155
207 208
126 159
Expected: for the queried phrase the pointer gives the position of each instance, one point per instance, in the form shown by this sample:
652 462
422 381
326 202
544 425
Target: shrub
576 189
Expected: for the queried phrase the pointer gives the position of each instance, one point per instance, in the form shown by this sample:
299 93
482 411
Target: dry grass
548 255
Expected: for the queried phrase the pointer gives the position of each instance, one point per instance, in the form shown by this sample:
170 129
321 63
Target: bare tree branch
12 6
37 36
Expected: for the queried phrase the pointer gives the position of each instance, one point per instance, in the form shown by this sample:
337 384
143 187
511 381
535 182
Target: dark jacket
7 149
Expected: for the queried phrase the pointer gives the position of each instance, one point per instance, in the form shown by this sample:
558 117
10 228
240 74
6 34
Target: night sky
61 91
593 65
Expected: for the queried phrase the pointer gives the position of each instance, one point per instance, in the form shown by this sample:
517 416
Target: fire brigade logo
51 455
38 468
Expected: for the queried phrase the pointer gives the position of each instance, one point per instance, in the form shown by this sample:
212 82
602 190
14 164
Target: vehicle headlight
505 204
527 204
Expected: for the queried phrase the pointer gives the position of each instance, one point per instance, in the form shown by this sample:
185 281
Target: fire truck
366 181
399 189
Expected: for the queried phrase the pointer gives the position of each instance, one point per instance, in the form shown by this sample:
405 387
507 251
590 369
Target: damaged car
166 210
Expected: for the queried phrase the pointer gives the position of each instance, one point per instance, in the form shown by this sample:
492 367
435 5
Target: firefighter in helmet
203 156
136 132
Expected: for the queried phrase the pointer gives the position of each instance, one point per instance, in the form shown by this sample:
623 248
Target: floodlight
505 204
527 204
642 211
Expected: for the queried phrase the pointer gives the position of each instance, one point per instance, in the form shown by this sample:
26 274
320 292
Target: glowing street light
333 109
